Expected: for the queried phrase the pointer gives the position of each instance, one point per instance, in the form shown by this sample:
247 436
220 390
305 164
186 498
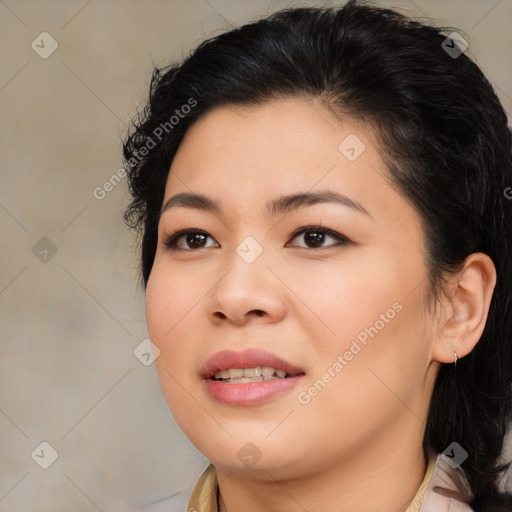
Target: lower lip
249 393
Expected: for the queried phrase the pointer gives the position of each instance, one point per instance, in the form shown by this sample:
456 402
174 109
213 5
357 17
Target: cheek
169 302
365 310
158 307
344 298
365 386
167 312
380 361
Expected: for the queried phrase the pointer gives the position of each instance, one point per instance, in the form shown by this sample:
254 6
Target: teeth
256 374
243 380
252 372
267 372
246 379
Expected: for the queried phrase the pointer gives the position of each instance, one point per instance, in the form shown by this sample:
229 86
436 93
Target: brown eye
315 236
188 239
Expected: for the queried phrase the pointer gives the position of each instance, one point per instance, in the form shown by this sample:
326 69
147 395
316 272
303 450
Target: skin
357 444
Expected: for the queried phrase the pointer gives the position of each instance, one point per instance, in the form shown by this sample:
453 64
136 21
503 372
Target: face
328 287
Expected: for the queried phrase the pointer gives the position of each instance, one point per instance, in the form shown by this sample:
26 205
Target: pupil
192 238
315 238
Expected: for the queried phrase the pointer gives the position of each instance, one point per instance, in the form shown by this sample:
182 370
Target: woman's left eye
313 236
316 236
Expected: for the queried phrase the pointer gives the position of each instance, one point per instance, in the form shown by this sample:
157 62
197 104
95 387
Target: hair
444 138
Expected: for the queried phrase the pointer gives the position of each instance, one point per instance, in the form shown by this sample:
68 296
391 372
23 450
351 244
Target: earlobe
465 310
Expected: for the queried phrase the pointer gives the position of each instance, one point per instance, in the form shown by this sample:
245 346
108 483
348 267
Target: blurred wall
72 75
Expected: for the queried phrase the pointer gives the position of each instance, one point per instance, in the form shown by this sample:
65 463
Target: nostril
257 312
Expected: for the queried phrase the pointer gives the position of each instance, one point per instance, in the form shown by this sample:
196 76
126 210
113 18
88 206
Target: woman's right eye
187 239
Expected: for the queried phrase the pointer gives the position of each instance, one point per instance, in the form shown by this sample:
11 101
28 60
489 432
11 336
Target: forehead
286 143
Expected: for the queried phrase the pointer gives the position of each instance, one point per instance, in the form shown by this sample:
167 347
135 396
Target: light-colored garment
447 491
443 489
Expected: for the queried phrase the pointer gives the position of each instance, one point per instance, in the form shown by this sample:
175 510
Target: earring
455 362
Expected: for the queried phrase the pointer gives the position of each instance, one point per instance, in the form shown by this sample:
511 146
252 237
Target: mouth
255 374
234 366
248 377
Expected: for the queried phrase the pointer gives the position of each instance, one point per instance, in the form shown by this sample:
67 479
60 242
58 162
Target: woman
327 264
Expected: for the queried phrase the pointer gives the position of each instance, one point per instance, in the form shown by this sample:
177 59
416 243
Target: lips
249 358
240 392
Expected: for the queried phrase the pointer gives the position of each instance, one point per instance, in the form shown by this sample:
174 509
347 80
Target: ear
464 311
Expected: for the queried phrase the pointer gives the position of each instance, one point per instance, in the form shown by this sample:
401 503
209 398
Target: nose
246 292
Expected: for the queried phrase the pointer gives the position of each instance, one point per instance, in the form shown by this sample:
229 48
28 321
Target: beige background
70 324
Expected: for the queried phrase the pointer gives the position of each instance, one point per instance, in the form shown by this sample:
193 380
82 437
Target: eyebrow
281 204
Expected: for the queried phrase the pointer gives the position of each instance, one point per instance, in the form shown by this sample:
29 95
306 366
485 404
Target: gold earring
455 362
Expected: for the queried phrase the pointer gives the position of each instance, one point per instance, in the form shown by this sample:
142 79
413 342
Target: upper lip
248 358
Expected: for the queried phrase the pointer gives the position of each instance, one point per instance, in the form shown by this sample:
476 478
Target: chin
255 456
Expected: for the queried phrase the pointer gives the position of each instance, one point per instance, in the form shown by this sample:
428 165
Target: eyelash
171 241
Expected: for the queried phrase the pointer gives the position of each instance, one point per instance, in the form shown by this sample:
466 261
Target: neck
383 477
